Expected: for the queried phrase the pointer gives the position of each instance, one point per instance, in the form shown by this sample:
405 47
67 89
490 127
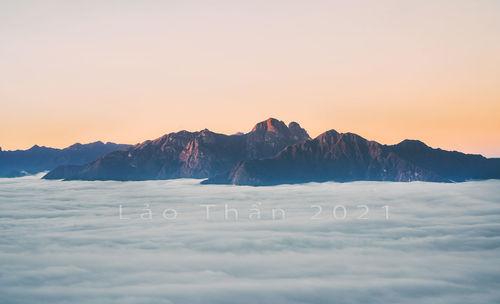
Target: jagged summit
297 131
270 125
328 134
276 126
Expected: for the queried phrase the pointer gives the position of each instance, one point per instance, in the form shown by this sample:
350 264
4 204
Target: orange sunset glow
128 71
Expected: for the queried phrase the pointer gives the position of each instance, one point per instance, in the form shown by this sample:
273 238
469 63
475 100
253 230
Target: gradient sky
127 71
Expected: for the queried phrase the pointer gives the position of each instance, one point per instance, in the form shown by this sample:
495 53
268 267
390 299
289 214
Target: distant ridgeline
274 153
38 159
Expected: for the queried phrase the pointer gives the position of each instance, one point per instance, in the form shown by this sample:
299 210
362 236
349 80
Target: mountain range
273 153
187 154
344 157
38 159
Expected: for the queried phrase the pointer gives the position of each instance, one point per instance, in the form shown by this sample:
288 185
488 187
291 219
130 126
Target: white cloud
63 242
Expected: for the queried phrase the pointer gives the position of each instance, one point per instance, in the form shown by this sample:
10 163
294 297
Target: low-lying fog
362 242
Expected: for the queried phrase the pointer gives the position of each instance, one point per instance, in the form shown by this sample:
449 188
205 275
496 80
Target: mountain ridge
14 163
342 157
199 154
273 153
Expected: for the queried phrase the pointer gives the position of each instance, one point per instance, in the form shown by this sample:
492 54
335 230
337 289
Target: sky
128 71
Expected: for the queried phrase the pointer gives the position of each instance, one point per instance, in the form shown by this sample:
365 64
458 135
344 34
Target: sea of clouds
64 242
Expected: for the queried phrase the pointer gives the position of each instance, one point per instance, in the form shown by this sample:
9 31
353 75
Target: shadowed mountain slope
342 157
38 159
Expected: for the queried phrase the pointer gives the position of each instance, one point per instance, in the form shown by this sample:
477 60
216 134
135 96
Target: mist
151 242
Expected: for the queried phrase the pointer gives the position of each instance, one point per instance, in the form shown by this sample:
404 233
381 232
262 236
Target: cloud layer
64 242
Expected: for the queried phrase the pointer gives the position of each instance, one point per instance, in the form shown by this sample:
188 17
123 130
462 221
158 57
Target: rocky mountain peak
205 132
271 125
298 133
330 135
412 144
35 147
